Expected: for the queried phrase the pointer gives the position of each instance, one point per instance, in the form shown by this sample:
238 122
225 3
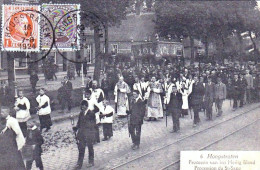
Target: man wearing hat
137 112
92 104
86 133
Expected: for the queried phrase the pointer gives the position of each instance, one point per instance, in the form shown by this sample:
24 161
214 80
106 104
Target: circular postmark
69 23
23 29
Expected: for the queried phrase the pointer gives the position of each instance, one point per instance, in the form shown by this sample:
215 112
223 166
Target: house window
115 48
21 63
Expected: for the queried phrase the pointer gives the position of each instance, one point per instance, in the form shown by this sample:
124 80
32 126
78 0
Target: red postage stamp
20 28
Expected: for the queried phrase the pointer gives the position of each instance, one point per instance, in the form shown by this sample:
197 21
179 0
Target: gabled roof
134 27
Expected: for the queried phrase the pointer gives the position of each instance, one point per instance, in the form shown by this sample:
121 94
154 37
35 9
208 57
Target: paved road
246 139
117 150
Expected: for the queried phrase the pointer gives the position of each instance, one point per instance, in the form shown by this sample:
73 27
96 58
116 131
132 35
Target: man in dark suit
242 90
67 90
209 97
137 112
236 87
220 95
197 95
86 133
174 104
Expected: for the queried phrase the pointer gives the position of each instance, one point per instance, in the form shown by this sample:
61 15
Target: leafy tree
206 20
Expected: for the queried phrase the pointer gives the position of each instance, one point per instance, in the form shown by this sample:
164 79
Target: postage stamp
65 23
20 28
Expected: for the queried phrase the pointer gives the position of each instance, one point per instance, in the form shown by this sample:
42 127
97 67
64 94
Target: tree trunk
192 49
106 47
206 47
240 39
10 72
106 38
223 49
256 53
97 54
138 6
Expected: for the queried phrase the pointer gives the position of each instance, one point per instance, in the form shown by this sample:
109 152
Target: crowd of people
149 93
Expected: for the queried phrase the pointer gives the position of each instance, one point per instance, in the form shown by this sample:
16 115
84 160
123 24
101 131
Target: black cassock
10 157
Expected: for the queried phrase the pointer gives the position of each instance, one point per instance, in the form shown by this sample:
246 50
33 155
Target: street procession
129 84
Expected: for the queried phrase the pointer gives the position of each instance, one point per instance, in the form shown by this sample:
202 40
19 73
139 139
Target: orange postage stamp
20 28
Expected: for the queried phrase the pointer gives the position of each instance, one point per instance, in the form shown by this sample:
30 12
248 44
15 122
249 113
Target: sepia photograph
130 85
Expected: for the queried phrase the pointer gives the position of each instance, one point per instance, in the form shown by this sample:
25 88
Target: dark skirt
45 121
10 157
107 130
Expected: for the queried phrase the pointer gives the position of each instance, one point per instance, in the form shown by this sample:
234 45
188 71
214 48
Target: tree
204 20
108 13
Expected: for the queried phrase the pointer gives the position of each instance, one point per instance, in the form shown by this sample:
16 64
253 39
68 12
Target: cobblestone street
118 149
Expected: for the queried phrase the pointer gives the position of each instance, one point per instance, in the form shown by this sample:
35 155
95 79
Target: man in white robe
154 102
121 92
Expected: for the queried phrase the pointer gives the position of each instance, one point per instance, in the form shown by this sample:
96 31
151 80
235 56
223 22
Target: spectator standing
34 79
78 65
66 92
85 67
250 86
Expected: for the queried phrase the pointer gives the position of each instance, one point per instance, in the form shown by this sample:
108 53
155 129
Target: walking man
209 97
34 79
44 110
235 85
220 95
137 112
174 106
22 108
86 133
197 95
121 92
